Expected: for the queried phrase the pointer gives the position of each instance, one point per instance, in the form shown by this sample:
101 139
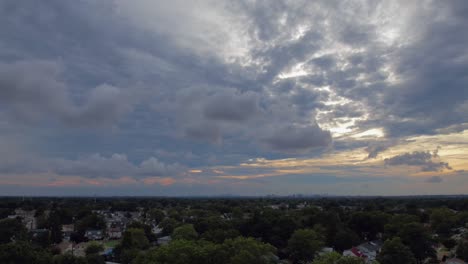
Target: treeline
273 230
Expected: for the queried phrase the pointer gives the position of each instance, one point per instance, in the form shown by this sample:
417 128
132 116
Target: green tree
462 250
243 250
368 224
442 220
168 225
155 215
350 260
328 258
303 245
139 225
12 229
335 258
95 259
344 239
219 235
68 259
394 251
181 252
418 239
54 224
94 248
186 232
24 253
134 240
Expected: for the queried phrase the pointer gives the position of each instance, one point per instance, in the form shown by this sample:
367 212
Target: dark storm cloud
33 91
231 107
298 138
206 131
222 80
423 159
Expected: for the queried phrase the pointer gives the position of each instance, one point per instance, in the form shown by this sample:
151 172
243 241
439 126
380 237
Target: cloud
235 108
205 131
298 138
423 159
34 91
434 179
218 83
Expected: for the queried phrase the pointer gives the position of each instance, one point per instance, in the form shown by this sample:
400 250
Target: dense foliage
240 230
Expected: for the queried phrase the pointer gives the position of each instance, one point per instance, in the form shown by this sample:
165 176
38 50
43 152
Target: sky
180 98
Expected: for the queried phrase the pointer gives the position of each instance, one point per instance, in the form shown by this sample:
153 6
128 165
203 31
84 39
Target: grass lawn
111 243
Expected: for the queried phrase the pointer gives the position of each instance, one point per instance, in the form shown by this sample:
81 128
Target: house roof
358 253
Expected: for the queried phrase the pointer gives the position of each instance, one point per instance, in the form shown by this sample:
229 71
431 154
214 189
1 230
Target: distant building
94 234
354 252
371 249
164 240
367 251
114 233
156 230
67 230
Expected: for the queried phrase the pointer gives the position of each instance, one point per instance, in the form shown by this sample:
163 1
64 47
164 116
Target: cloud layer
174 87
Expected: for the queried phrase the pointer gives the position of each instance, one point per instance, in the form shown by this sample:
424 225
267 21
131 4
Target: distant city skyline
250 98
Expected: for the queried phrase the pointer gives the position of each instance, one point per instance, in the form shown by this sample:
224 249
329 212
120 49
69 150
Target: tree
394 251
94 248
344 239
462 250
350 260
368 224
442 220
417 238
95 259
233 251
68 259
303 245
327 258
54 224
186 232
168 225
139 225
156 215
449 243
134 240
12 229
22 252
335 258
243 250
219 235
180 252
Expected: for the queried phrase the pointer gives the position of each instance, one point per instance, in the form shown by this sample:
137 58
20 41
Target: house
114 233
94 234
156 230
164 240
36 233
67 230
370 249
27 218
354 252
